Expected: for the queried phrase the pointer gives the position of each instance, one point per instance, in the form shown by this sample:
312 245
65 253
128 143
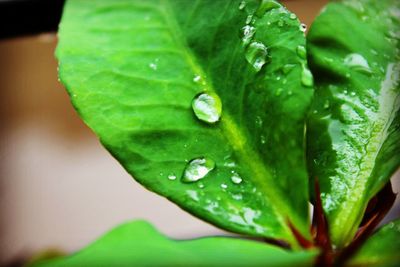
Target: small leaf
194 100
353 130
382 249
139 244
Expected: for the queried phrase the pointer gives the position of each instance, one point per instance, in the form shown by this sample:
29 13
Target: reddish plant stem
304 242
320 226
377 209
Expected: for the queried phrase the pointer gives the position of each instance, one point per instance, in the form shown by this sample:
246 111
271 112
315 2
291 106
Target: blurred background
58 187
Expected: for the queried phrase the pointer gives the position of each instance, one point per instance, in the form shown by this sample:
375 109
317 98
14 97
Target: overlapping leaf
139 244
382 249
354 137
133 69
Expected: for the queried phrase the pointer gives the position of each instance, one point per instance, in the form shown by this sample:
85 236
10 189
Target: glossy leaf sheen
382 249
353 132
139 244
133 69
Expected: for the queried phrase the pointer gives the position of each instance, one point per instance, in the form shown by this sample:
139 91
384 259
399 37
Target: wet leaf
353 131
168 83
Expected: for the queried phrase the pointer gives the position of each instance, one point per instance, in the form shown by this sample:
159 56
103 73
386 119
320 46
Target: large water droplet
293 16
235 178
358 63
301 52
207 107
307 78
248 33
197 169
224 186
257 55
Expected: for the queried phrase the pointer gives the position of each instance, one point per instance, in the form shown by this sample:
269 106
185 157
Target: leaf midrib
388 98
233 135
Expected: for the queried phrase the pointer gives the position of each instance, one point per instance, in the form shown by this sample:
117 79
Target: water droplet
193 195
248 33
301 52
393 34
293 16
249 19
353 93
326 104
229 163
307 77
197 169
266 5
355 5
207 107
303 27
153 66
235 178
358 63
237 197
287 68
259 121
242 5
224 186
279 92
197 78
263 140
201 185
172 177
256 55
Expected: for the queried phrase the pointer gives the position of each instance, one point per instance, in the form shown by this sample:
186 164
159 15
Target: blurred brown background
58 187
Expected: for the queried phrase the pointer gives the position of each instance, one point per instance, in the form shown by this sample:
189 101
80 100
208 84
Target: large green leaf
133 68
353 131
382 249
139 244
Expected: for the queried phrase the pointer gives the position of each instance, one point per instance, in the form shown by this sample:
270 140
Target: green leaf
139 244
353 130
202 102
382 249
